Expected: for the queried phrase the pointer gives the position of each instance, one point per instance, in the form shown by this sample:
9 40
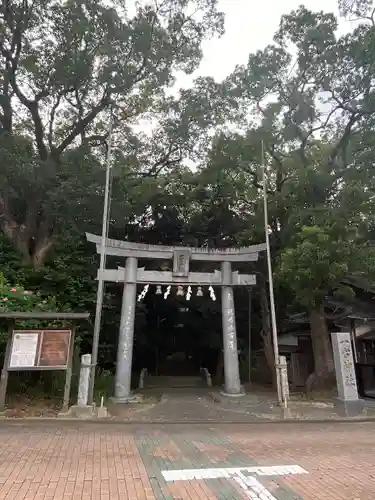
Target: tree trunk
6 104
40 251
323 376
32 240
34 251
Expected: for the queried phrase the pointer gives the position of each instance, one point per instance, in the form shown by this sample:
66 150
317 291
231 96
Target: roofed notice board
40 349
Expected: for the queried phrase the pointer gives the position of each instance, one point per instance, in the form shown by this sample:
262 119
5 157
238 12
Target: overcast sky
249 26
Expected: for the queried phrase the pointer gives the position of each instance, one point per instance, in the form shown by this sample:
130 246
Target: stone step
164 381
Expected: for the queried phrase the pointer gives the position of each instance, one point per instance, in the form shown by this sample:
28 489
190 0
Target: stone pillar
84 378
231 367
283 367
348 401
126 333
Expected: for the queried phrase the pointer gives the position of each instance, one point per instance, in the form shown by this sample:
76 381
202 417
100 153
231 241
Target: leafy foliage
17 299
319 260
359 9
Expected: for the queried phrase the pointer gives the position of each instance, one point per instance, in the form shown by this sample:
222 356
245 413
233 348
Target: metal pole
354 339
100 291
157 347
68 374
249 341
270 281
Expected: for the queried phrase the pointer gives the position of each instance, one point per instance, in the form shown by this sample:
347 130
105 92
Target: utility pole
100 291
270 281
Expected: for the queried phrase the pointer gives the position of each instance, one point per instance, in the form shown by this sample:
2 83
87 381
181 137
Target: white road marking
252 487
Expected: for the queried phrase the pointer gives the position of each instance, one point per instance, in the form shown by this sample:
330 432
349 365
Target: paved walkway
182 406
113 462
193 405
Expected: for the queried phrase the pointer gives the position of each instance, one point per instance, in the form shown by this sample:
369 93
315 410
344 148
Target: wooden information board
40 350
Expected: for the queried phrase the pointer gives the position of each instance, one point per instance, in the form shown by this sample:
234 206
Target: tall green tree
64 68
310 96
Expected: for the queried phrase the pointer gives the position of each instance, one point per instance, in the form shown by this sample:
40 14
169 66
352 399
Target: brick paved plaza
113 461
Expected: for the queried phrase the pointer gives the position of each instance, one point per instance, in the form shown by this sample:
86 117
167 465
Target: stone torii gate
131 275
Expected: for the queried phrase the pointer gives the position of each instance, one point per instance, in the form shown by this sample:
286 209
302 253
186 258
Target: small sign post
4 370
39 350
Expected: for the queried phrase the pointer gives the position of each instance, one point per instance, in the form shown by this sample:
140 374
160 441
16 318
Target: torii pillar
126 334
231 366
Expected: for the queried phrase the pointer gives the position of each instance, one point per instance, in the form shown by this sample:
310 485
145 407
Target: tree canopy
67 69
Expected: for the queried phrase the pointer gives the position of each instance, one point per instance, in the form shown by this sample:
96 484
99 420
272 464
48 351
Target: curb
80 422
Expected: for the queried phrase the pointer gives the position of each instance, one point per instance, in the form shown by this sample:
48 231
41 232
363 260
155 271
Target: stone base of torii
131 275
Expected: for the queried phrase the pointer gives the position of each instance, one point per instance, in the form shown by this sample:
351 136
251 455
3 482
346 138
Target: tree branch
52 120
32 106
342 144
81 125
163 162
